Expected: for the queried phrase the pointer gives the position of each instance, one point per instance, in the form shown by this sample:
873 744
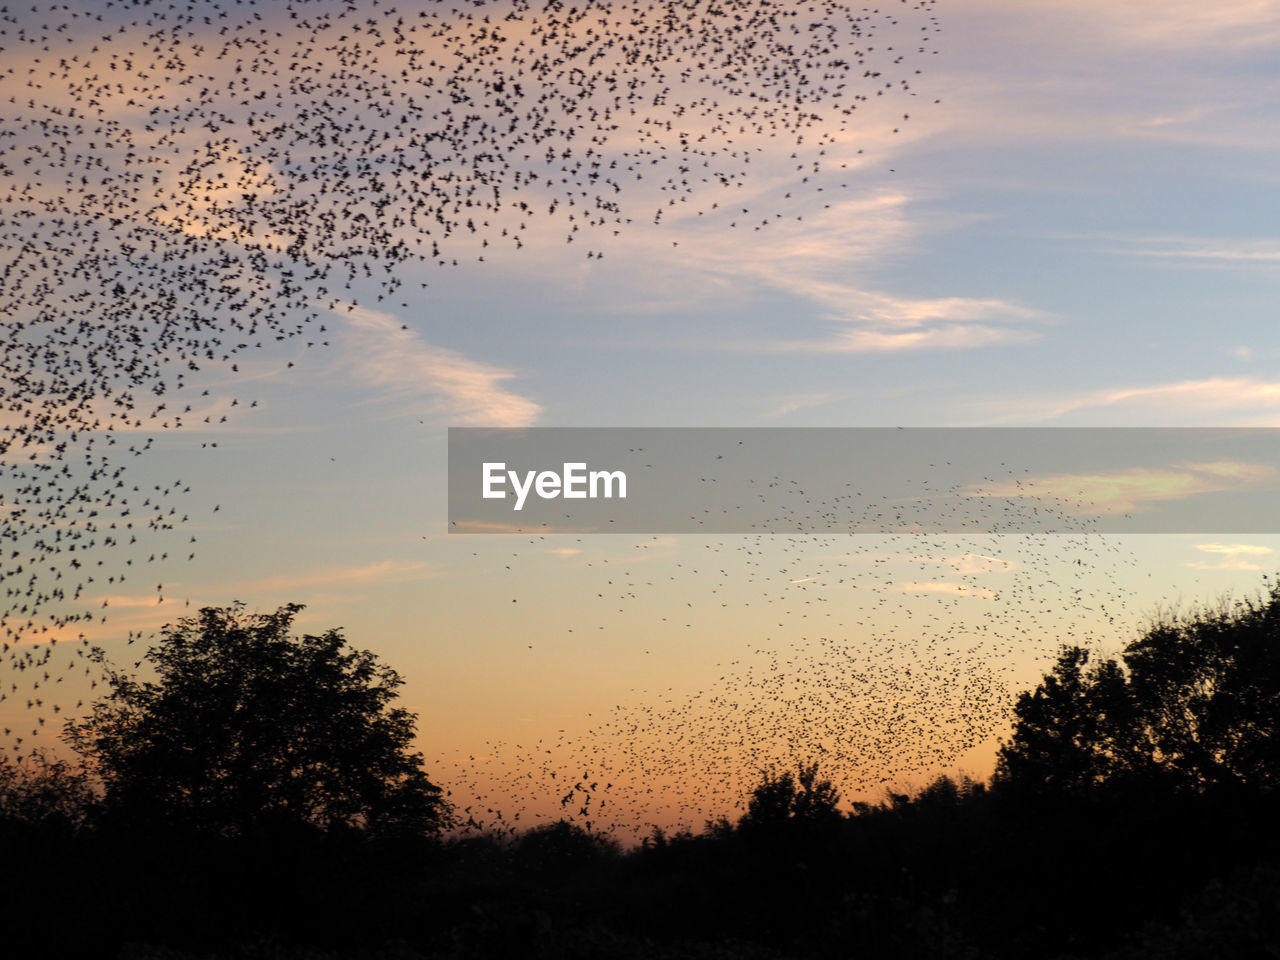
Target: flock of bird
887 658
188 184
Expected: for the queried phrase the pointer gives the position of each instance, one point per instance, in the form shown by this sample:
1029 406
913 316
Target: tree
1195 705
1069 729
246 728
43 791
562 847
788 796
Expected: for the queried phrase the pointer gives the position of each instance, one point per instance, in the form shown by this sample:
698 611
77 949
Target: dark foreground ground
965 871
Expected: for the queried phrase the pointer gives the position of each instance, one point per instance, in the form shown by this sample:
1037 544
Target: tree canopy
788 796
1194 704
246 728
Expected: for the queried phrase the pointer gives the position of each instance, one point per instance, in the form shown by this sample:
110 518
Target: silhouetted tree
1208 689
1196 704
792 796
562 846
1073 732
247 728
44 791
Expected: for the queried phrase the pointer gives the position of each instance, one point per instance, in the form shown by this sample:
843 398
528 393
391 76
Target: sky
1073 228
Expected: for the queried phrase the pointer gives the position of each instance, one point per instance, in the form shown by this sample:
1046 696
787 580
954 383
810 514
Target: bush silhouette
44 791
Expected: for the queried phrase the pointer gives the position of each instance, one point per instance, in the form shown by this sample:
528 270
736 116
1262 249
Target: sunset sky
1075 227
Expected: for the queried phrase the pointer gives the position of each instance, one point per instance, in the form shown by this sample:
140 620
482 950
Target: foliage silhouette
562 846
1132 818
44 791
1195 708
247 729
791 796
1069 730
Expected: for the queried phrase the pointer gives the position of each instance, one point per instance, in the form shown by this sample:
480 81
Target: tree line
259 796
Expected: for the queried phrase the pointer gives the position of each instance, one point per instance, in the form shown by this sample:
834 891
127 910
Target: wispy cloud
962 590
1204 251
829 256
969 563
1189 24
1235 549
1236 564
384 571
825 261
1210 394
1209 401
936 336
1234 556
489 526
794 402
120 601
1070 72
384 354
1124 491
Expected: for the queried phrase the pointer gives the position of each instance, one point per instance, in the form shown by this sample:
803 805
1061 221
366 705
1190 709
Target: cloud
1233 555
119 614
396 361
1189 24
1248 473
384 571
1131 27
1213 393
489 526
130 602
827 257
1062 73
1125 491
791 403
968 563
1225 565
814 261
963 590
1235 549
1210 401
946 336
1204 251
